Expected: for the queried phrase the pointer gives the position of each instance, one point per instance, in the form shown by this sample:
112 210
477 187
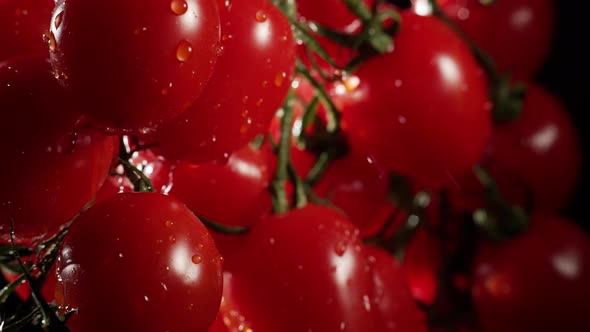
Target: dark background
567 74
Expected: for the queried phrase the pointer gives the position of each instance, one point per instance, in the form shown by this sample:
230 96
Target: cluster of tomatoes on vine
294 165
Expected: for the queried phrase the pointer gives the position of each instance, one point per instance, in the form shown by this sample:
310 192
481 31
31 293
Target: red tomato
357 186
32 101
516 33
303 270
537 282
132 65
251 80
156 243
423 109
393 298
46 186
332 14
422 263
154 167
235 194
539 152
22 26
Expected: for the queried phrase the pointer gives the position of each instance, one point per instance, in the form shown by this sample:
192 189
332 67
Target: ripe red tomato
393 298
332 14
32 102
516 33
539 281
132 65
45 186
303 270
422 263
23 24
152 241
423 109
250 82
235 194
357 186
540 150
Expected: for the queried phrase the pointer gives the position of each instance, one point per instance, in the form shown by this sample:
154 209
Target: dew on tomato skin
272 241
197 259
184 49
259 102
169 224
340 248
226 37
280 78
219 50
264 83
58 20
172 239
261 16
367 303
178 7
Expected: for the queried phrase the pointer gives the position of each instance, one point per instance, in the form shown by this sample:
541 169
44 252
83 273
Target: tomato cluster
257 165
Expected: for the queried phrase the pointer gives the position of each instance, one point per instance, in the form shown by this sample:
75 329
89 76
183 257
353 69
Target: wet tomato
29 91
339 18
303 270
23 23
47 185
234 194
516 33
250 82
421 110
156 243
393 298
539 281
132 65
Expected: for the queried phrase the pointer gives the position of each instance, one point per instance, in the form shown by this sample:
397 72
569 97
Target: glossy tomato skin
235 194
332 14
23 24
251 80
32 102
539 281
393 298
132 65
422 262
45 186
516 33
424 101
540 152
303 270
153 241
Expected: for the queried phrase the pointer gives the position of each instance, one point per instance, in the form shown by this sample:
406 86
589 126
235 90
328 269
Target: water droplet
58 20
200 246
169 224
219 49
172 239
218 259
147 299
261 16
197 259
272 241
341 248
280 78
367 303
183 50
226 37
342 326
120 255
284 38
397 83
264 83
244 100
51 41
178 7
259 102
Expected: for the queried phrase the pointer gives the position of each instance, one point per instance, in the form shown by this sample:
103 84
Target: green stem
288 7
224 229
141 183
280 199
318 169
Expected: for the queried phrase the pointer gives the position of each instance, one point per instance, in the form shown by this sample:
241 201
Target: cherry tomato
132 65
31 101
45 186
422 263
153 242
242 185
303 270
250 82
23 23
421 110
332 14
516 33
539 281
393 298
539 152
